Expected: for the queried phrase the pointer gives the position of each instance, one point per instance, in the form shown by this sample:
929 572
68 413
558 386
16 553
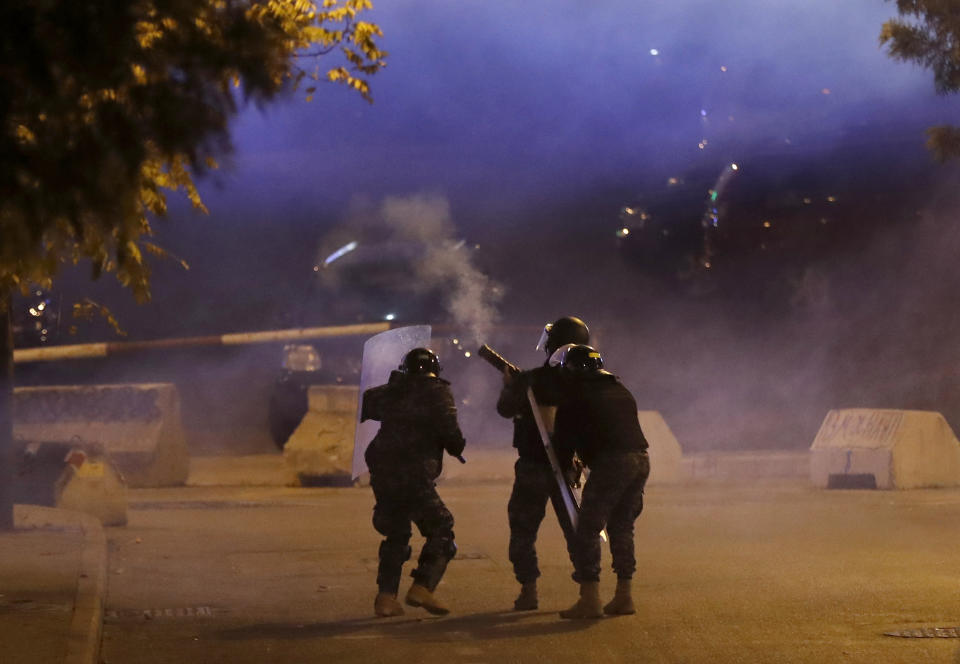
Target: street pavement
765 571
760 572
52 586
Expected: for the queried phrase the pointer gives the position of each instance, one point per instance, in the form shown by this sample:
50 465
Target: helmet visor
559 355
542 344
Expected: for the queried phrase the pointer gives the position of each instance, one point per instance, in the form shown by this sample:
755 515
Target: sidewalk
52 587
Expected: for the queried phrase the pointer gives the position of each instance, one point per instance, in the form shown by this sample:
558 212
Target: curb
86 623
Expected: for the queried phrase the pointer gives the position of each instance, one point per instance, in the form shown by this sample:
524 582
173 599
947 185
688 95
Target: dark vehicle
301 368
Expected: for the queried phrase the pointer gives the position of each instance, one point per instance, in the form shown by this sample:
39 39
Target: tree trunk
7 473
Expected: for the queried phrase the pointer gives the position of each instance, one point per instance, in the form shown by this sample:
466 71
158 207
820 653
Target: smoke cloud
470 296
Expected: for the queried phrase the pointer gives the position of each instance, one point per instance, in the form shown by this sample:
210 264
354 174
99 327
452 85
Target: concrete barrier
320 450
666 457
137 425
884 449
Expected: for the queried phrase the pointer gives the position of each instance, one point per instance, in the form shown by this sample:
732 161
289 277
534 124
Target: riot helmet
566 330
579 359
421 361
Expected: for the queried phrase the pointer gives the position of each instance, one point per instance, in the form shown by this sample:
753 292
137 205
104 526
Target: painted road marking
927 633
178 612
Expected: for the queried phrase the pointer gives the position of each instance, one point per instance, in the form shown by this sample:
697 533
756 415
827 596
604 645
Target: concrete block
320 450
93 486
900 449
137 425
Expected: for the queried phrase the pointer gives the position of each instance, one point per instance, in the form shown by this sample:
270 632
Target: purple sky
497 107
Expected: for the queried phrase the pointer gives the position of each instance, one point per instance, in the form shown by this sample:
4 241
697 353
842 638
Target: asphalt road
766 573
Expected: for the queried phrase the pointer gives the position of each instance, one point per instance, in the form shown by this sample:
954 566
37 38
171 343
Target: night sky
497 107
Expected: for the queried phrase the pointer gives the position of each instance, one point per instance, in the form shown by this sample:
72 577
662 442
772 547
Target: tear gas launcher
497 360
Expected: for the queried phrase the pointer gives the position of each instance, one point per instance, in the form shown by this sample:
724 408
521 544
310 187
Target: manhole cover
927 633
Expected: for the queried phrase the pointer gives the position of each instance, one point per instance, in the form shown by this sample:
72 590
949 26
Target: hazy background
486 186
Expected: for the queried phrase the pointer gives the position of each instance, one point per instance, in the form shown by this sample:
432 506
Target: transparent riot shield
382 353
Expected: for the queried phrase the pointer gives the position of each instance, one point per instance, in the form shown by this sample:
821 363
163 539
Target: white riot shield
382 353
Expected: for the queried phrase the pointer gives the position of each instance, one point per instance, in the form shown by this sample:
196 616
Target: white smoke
470 296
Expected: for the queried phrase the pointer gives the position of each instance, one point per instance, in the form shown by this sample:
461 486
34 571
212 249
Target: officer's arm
513 397
447 426
373 403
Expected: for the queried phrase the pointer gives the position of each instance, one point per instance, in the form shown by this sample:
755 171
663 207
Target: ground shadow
477 626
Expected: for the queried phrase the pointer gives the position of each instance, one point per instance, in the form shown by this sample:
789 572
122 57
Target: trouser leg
394 524
563 518
435 523
623 516
525 512
608 482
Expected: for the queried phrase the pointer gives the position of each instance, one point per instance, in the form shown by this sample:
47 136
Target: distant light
723 68
707 264
625 231
466 353
735 167
345 249
389 317
41 306
629 210
807 201
654 51
456 341
825 91
831 199
703 112
316 268
767 224
34 312
672 181
823 220
713 194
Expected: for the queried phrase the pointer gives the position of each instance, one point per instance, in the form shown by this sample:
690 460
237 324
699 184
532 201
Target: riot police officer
534 481
597 419
418 419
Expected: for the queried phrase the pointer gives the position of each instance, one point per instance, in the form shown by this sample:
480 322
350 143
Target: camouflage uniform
418 422
534 482
598 420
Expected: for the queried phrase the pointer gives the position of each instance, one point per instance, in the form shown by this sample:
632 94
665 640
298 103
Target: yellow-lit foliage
109 106
927 32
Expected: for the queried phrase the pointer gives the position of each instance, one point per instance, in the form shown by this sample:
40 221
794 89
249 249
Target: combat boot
588 606
622 602
387 606
421 596
527 599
